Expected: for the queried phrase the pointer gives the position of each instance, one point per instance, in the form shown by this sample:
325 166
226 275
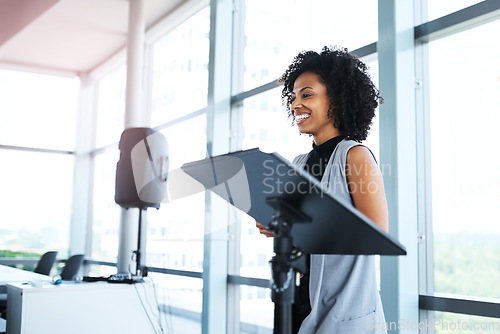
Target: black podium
304 216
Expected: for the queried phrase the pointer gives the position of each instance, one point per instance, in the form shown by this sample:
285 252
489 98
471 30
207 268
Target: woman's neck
324 136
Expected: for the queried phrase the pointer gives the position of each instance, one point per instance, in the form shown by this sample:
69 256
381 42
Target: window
436 9
35 200
38 110
275 31
110 125
111 107
271 131
179 88
464 85
257 310
180 70
180 300
175 231
106 213
445 323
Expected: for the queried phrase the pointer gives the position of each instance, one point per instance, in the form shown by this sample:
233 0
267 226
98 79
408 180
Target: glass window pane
180 69
275 31
176 230
35 201
180 300
38 110
111 107
267 126
106 213
436 9
256 310
175 234
446 323
464 118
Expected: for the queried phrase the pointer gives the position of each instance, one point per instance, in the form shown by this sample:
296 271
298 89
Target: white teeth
301 117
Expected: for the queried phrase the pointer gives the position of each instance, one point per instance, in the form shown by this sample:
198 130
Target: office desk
9 274
78 308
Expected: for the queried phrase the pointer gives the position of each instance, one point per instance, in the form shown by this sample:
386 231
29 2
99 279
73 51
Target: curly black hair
353 96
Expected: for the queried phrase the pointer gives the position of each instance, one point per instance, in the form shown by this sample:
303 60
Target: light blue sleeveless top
342 288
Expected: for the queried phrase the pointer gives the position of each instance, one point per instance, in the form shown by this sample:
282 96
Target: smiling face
310 104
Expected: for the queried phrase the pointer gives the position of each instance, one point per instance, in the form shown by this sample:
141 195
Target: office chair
72 267
44 265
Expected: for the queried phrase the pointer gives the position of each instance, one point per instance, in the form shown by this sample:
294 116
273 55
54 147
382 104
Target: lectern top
247 178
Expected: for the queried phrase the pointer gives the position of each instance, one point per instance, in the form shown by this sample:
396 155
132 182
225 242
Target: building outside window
37 138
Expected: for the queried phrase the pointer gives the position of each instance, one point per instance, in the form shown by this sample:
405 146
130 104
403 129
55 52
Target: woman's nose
295 105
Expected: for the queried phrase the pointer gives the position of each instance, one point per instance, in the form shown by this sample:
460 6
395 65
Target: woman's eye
306 95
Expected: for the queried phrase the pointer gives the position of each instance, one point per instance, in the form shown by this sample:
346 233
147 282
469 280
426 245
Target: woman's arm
367 186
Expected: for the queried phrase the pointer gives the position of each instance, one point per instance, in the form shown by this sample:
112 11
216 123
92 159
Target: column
399 275
134 117
214 314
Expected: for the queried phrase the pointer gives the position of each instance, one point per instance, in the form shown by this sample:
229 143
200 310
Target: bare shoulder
366 185
360 155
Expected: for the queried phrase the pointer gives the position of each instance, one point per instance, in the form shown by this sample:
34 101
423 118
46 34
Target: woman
331 97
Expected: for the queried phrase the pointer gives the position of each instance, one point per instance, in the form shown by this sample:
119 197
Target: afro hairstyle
353 96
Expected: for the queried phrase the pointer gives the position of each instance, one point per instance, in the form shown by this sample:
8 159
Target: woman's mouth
301 118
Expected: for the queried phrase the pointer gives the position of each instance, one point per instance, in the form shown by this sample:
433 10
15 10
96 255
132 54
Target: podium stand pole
138 267
285 263
283 277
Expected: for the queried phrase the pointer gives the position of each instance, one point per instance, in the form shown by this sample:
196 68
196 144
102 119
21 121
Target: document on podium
247 178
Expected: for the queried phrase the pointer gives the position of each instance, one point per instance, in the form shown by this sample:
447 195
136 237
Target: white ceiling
70 36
